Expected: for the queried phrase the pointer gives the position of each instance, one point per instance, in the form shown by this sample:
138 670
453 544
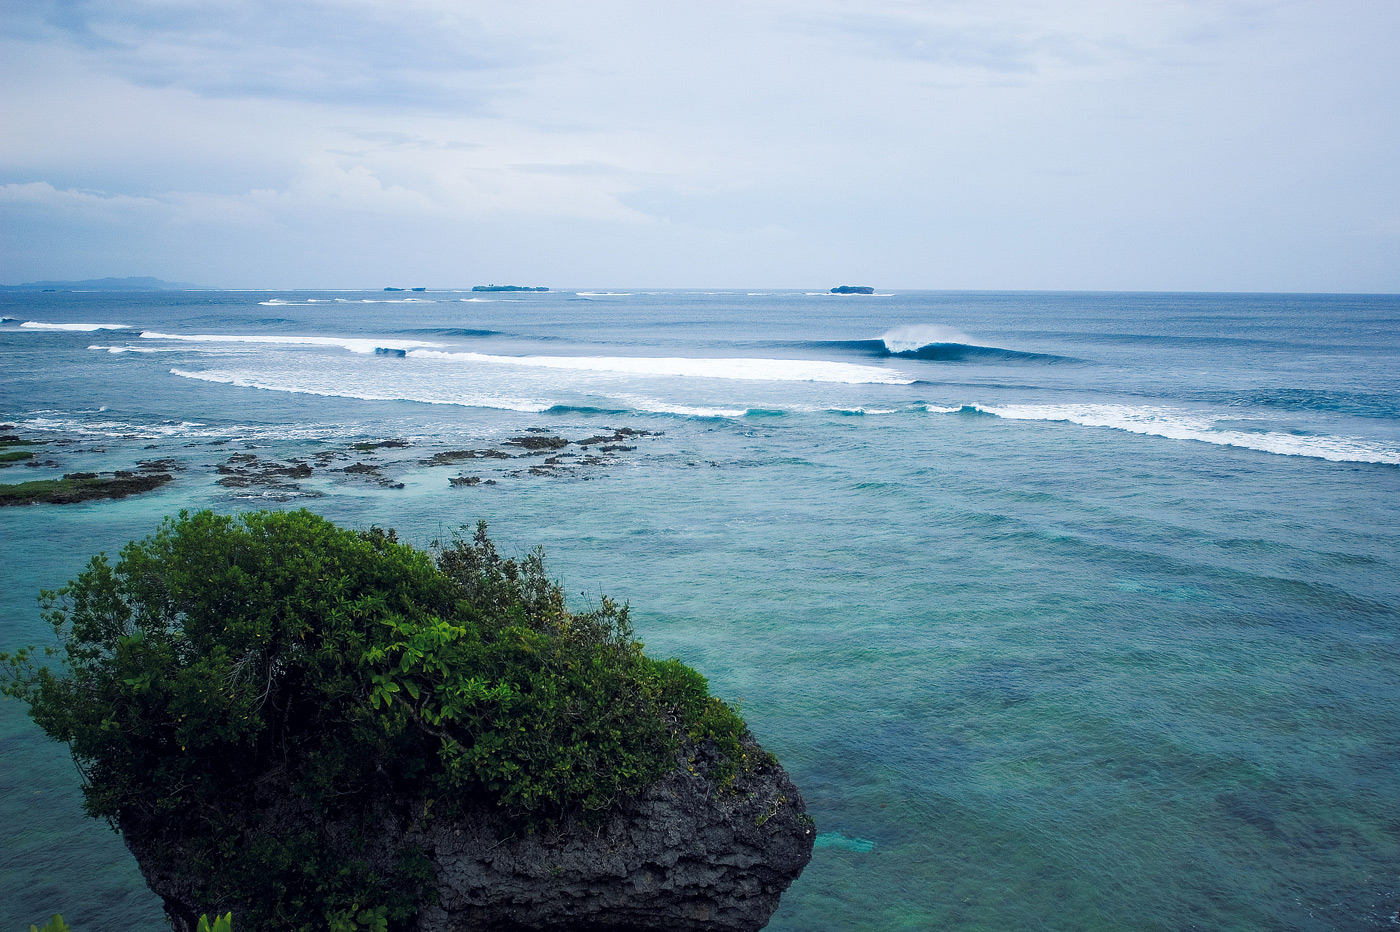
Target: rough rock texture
685 856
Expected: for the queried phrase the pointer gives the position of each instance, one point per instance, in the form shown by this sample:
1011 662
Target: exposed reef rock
684 856
82 487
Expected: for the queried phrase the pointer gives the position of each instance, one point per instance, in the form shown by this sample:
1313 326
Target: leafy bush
224 657
222 923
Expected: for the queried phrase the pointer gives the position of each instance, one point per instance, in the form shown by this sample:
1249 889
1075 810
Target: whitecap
910 337
655 406
1174 424
385 301
353 344
81 328
132 349
332 385
736 368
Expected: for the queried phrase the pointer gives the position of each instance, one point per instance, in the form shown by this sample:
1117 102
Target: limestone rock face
684 856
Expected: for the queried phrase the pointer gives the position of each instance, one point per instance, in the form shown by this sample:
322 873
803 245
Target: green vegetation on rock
80 487
222 923
227 661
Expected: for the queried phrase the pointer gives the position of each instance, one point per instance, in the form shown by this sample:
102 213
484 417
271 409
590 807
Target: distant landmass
507 288
853 289
134 283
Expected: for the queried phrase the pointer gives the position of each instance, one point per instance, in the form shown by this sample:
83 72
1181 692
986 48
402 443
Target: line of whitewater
741 368
1175 424
75 328
353 344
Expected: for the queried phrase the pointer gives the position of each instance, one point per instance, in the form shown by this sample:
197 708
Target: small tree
252 695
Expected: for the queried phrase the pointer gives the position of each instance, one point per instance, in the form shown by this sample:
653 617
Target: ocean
1064 611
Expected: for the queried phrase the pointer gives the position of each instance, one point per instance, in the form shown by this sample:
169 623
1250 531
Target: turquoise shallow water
1101 641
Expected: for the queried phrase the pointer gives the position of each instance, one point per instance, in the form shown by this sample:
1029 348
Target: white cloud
1012 143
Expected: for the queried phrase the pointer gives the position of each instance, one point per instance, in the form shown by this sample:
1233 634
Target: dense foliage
224 655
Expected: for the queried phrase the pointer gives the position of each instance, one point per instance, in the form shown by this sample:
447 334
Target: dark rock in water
539 443
81 487
165 465
448 457
364 446
465 480
389 351
420 289
540 288
390 288
853 289
684 856
622 433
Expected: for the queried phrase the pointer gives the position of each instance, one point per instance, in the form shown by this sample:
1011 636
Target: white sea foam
278 302
1182 425
603 294
81 328
353 344
910 337
743 368
136 349
71 425
656 406
64 424
332 385
385 301
475 300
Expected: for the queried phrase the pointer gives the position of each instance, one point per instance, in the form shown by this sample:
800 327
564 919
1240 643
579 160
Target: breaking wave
353 344
1175 424
80 328
741 368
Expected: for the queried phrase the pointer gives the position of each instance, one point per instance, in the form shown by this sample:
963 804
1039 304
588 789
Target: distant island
134 283
853 289
507 288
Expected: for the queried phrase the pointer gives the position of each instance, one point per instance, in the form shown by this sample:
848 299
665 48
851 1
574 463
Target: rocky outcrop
687 855
683 857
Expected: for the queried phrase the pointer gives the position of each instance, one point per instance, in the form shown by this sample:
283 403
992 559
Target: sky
1178 145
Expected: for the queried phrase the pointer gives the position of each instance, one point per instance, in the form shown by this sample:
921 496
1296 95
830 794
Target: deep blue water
1065 611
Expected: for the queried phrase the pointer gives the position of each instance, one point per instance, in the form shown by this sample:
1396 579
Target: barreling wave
929 342
1175 424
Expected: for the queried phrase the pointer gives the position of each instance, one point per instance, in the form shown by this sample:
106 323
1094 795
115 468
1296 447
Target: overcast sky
988 144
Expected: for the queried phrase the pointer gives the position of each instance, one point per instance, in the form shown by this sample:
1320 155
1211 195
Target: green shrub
222 923
223 655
